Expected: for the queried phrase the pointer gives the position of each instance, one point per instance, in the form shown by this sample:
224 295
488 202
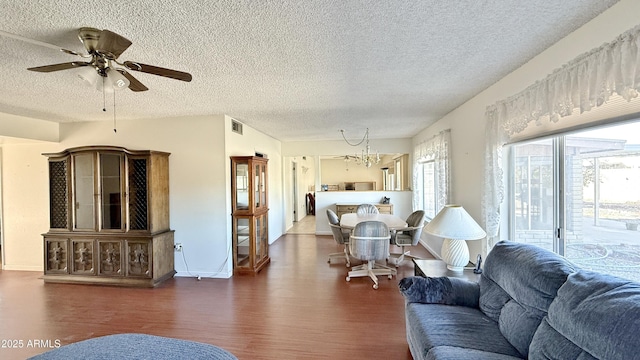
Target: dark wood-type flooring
299 307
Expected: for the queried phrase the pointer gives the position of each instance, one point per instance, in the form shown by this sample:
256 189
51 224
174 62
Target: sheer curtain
582 84
436 149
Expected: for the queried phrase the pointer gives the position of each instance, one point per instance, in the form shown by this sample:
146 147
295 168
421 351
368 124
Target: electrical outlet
178 247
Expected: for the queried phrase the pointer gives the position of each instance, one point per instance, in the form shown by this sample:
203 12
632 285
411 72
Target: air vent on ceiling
236 126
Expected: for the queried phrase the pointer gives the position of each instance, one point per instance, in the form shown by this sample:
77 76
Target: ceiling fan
103 49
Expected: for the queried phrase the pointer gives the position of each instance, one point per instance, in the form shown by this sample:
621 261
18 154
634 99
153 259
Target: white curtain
437 149
584 83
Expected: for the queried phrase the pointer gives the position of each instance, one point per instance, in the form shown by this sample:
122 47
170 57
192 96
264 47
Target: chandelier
366 158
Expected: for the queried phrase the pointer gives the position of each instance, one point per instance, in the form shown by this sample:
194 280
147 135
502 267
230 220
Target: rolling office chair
340 235
369 242
409 236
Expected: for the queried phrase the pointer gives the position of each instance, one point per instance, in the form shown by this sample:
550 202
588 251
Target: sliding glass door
532 189
578 194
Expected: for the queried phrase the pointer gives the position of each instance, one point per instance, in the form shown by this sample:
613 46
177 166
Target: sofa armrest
440 290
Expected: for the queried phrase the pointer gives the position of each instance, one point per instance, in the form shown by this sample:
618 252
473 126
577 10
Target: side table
437 268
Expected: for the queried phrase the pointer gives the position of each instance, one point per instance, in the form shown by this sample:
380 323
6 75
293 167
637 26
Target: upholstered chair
364 209
409 236
369 242
341 236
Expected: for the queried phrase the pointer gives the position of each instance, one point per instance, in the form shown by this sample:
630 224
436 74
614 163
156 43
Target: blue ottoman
136 346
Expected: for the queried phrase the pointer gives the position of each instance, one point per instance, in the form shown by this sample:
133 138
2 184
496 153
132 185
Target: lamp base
455 253
455 268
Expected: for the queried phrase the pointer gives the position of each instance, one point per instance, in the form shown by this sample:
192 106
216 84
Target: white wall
26 205
28 128
199 177
467 122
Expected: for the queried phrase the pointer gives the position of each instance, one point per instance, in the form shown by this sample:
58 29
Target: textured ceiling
296 70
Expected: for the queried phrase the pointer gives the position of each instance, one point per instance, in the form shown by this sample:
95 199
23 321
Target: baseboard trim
204 275
22 268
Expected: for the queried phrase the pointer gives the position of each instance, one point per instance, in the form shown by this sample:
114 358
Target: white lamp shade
453 222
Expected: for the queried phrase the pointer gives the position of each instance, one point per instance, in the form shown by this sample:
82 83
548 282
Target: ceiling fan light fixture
110 81
89 75
118 81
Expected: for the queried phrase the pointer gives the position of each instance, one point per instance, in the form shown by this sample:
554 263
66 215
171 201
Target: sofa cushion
431 326
594 316
457 353
518 284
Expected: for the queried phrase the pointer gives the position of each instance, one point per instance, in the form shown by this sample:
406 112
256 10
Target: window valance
582 84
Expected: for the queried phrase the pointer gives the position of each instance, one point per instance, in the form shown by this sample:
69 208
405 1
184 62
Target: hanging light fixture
366 158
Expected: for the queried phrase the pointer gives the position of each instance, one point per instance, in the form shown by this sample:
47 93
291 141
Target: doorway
294 182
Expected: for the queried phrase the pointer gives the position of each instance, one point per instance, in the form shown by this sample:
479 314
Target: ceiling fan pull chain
114 112
104 97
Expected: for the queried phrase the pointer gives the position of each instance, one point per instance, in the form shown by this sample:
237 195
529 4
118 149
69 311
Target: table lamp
455 225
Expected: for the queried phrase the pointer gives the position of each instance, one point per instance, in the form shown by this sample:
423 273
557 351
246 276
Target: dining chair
409 236
364 209
340 235
369 242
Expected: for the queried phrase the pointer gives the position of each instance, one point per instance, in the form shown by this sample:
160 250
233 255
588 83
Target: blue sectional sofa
529 304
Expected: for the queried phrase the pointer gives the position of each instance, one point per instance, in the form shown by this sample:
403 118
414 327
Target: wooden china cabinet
249 194
109 217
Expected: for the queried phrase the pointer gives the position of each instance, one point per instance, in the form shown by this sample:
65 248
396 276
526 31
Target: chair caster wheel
348 265
348 278
390 277
375 286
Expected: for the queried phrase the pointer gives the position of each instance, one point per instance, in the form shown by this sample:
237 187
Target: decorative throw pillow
440 290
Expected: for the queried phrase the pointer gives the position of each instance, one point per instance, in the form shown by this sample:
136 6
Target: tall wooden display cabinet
109 217
249 198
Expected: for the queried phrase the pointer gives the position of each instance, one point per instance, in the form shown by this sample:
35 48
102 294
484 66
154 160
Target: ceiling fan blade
58 67
39 43
134 84
112 45
155 70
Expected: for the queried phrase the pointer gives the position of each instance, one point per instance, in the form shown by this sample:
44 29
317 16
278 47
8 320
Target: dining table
393 222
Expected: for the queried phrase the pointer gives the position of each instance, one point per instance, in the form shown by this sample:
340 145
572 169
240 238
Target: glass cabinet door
257 187
242 185
111 191
84 202
261 237
263 185
241 241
